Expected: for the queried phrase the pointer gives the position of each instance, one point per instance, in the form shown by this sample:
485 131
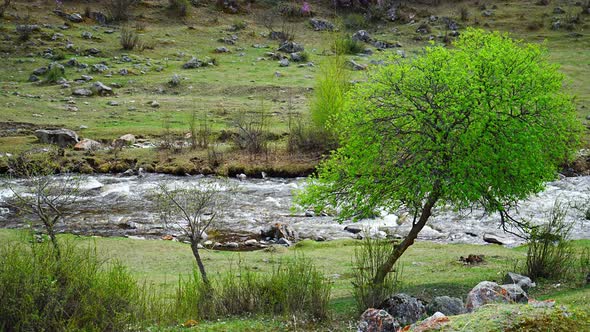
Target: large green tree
484 122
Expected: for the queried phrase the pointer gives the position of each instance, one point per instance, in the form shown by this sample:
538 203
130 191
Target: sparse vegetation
129 39
550 254
179 7
119 10
345 44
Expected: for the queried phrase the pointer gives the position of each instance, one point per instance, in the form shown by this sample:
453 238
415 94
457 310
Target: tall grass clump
550 255
75 292
329 93
129 39
294 287
305 137
345 44
369 256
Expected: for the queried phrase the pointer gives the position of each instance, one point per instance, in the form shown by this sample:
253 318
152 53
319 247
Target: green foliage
368 257
329 93
55 73
293 287
485 122
550 255
77 292
308 137
354 21
345 44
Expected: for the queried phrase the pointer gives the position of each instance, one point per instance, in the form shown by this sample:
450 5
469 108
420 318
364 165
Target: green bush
345 44
293 287
307 137
354 21
129 39
76 292
55 73
368 257
329 92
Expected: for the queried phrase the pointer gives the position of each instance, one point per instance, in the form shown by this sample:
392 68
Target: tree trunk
53 238
194 246
408 240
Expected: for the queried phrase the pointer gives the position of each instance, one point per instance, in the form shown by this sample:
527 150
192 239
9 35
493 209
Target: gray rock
251 242
61 137
124 72
99 68
487 13
40 71
92 51
113 103
82 92
279 231
284 63
485 292
101 89
87 145
222 49
87 78
175 80
361 35
72 63
516 293
154 104
392 13
290 47
353 229
87 35
449 306
296 57
76 18
57 66
284 242
404 308
192 63
523 281
558 10
355 65
233 245
555 25
321 25
376 320
125 140
34 78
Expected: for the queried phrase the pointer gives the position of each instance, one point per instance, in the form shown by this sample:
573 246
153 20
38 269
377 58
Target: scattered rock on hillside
87 145
76 18
485 292
362 35
192 63
515 293
82 92
101 89
404 308
40 71
355 65
296 57
99 68
523 281
92 51
290 47
125 140
222 49
34 78
61 137
284 62
447 305
321 25
376 320
558 10
87 35
434 322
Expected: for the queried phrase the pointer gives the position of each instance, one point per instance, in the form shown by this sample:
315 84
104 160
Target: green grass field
428 270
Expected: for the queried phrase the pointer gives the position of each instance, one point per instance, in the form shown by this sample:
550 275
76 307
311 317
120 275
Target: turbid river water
120 206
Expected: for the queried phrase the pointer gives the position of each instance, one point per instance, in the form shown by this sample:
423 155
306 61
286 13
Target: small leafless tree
192 210
39 193
4 6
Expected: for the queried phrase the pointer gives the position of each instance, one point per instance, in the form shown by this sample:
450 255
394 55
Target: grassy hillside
244 82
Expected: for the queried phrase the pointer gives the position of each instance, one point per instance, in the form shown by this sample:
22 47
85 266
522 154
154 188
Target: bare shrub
4 6
252 132
119 10
550 254
179 7
129 39
368 257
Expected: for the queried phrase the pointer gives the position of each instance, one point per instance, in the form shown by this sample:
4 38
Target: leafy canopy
485 122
